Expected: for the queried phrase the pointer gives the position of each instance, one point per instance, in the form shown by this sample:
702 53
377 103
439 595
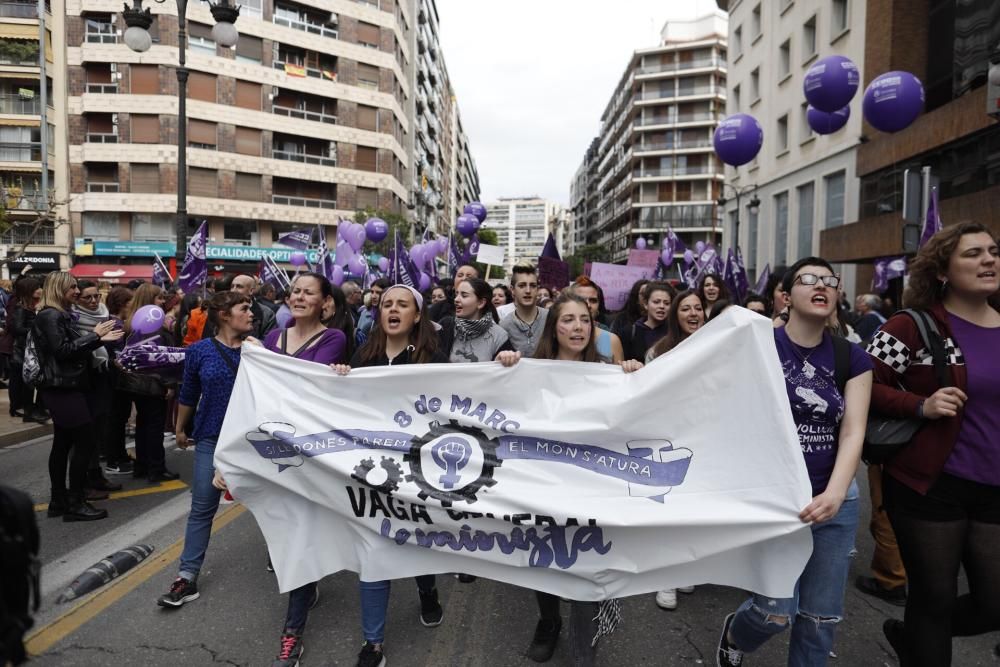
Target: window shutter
367 198
250 47
203 182
145 79
367 118
201 31
202 132
248 141
201 86
366 159
145 178
100 123
248 187
248 94
145 129
368 34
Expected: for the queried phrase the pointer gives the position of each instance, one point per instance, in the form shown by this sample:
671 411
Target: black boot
59 504
81 510
543 644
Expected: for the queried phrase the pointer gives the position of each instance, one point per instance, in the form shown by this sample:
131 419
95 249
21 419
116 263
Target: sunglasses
810 279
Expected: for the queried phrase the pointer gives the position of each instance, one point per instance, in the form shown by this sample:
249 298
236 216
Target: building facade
33 176
583 201
805 182
655 164
522 225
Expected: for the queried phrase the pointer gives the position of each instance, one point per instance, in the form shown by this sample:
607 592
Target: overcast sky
532 78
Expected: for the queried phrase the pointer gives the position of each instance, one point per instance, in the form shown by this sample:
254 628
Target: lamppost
739 192
137 38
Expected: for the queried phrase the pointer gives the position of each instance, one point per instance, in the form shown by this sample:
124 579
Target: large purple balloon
147 320
383 264
738 139
640 243
357 265
893 101
297 258
418 255
425 281
830 84
688 257
376 229
827 123
467 224
666 257
442 245
476 209
355 235
337 276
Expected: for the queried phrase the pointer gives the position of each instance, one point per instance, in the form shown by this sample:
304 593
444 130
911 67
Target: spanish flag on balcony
295 70
329 74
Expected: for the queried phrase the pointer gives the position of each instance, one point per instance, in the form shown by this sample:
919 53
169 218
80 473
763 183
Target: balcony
102 187
102 88
100 33
695 117
14 151
680 66
306 202
303 114
15 104
305 158
102 137
673 145
297 70
21 10
15 199
304 26
674 171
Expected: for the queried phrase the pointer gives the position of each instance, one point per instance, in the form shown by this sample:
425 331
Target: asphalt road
238 619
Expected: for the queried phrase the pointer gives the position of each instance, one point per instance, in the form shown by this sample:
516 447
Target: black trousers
150 417
114 434
22 396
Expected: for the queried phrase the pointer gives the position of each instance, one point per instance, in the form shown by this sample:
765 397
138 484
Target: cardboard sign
617 280
552 273
490 254
646 258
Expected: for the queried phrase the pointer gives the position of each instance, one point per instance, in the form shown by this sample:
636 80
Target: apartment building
522 224
33 176
583 201
806 183
655 164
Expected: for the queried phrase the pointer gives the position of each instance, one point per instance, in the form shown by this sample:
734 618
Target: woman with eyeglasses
830 415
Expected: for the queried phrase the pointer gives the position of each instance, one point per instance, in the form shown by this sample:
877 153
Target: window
805 194
753 226
152 227
201 86
367 198
239 232
809 39
755 85
145 79
248 187
248 94
781 229
101 226
249 49
785 59
367 118
145 178
101 128
838 17
102 177
145 129
248 141
368 35
805 131
833 185
756 26
368 76
202 134
202 182
782 134
735 99
366 159
737 45
200 38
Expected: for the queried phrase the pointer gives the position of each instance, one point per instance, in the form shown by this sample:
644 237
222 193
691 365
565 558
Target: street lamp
137 38
740 192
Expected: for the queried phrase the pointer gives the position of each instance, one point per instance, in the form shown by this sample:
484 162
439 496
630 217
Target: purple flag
887 268
933 224
735 275
471 250
324 262
550 249
454 256
676 244
401 267
161 276
271 273
194 271
761 285
300 239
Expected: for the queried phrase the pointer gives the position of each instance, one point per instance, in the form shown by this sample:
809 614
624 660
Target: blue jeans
299 601
817 605
375 605
204 505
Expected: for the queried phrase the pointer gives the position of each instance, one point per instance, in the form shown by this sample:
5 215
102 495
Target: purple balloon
383 264
467 224
738 139
665 242
893 101
688 257
418 256
699 247
827 123
425 281
357 265
344 254
297 258
337 275
830 84
355 236
442 244
476 209
376 229
640 243
147 320
666 257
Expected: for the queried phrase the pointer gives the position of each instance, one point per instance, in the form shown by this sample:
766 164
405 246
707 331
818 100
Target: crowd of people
936 503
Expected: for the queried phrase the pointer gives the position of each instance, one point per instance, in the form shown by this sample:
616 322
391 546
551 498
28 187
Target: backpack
31 369
19 595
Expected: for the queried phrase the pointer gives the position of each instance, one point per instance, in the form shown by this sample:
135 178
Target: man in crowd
354 296
263 317
367 317
266 296
524 326
869 319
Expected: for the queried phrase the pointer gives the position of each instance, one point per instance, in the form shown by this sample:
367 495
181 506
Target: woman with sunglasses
831 426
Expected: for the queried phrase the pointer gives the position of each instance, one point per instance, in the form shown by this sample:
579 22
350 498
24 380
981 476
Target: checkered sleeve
891 351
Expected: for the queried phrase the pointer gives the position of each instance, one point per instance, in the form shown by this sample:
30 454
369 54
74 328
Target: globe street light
754 207
137 38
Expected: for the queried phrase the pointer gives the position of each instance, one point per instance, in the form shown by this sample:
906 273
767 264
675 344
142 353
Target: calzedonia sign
35 261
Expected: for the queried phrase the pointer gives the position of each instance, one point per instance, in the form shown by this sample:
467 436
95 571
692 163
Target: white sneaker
686 589
667 599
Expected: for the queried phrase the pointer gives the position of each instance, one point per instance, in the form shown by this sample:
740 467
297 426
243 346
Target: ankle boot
81 510
59 504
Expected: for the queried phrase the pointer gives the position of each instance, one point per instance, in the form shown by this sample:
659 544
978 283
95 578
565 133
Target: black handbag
886 436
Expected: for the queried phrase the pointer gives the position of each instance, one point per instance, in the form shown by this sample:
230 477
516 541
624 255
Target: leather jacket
64 353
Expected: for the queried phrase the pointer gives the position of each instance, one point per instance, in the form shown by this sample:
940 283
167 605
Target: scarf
468 329
84 321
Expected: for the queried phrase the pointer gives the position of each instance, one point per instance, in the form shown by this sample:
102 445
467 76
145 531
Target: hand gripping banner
571 478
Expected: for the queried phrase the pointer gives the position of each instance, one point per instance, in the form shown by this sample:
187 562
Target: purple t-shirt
977 449
331 348
817 405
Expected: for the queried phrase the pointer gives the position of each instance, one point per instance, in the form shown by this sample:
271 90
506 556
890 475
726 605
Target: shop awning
113 273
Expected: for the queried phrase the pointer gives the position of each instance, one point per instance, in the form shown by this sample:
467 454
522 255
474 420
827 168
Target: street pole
736 222
180 223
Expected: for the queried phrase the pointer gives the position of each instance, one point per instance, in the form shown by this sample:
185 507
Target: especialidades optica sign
571 478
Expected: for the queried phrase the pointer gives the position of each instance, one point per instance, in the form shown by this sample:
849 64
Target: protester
830 410
116 458
657 297
283 316
65 358
712 288
568 336
755 303
446 308
633 311
544 293
502 296
438 294
267 295
687 315
209 373
942 490
263 317
370 312
609 346
524 325
353 295
189 303
405 335
20 318
473 334
171 312
868 318
337 315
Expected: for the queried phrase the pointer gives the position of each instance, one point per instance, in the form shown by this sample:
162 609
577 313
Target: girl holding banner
687 315
473 334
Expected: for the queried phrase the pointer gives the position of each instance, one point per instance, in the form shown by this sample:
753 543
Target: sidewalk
14 430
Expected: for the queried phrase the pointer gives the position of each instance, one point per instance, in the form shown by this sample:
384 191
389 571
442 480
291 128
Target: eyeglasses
810 279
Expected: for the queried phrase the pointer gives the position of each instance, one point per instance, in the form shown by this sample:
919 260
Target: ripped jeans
818 603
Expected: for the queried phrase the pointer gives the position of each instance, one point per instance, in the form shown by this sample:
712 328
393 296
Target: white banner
571 478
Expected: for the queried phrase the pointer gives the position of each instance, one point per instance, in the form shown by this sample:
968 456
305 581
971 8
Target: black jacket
65 354
401 359
20 320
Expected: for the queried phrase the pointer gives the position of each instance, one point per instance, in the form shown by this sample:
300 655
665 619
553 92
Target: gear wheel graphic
466 493
393 474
